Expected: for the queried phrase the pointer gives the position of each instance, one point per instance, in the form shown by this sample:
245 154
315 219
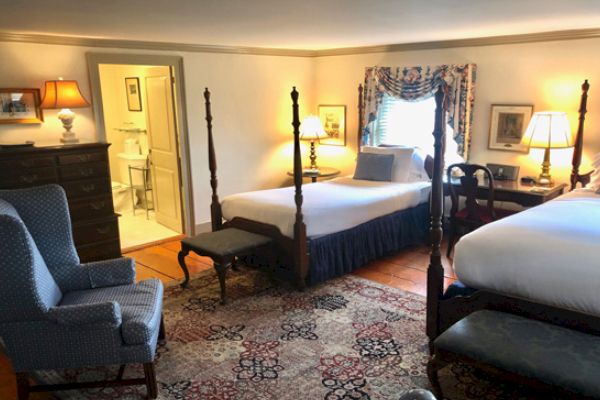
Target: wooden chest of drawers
83 171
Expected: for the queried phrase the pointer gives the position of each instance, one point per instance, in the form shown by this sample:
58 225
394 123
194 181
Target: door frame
176 65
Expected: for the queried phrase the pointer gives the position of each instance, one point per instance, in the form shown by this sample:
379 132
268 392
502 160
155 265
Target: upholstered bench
548 357
222 247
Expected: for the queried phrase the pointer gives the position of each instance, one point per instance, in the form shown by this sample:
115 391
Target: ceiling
298 24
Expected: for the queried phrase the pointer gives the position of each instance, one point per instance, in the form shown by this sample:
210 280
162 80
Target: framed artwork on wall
20 106
333 118
134 97
508 123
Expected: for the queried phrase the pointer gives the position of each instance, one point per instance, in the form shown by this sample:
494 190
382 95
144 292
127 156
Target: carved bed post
575 177
361 118
216 215
435 272
301 257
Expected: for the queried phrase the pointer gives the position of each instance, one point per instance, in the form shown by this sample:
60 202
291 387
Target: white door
164 158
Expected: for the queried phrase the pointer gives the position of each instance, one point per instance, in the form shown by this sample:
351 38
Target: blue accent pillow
374 167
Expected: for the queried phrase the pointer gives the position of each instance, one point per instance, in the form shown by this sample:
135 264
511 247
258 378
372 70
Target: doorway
137 110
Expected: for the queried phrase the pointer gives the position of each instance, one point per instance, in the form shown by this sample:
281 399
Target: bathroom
139 122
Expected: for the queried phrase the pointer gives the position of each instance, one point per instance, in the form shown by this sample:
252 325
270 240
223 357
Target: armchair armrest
108 313
115 272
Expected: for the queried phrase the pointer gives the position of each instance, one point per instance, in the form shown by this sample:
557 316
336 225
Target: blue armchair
56 313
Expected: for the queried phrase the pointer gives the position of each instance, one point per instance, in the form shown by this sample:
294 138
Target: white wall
251 109
548 75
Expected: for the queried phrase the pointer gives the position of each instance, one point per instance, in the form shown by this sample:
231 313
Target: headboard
576 177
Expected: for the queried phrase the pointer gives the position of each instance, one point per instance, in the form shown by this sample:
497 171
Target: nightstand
324 172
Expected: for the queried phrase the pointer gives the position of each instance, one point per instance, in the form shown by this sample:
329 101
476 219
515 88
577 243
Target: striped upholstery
56 313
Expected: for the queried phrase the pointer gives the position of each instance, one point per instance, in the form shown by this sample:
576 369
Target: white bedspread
549 254
328 207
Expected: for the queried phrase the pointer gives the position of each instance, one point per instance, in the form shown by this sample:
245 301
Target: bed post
575 177
435 272
216 216
300 241
361 117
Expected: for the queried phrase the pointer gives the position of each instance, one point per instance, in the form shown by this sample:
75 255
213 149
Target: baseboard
203 228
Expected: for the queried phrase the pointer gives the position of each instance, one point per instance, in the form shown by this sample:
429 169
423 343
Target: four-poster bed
311 238
569 306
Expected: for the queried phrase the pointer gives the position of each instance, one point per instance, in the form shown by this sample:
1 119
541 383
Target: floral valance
418 83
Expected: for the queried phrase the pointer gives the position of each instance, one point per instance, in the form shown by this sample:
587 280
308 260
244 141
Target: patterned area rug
347 338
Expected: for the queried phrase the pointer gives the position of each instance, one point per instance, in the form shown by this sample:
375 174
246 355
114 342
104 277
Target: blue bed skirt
342 252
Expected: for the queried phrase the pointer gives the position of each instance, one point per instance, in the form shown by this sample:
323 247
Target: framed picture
134 97
20 106
333 118
508 123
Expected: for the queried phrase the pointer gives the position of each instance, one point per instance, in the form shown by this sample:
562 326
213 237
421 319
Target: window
410 123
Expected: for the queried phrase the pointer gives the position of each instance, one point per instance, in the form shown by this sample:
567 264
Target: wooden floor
406 270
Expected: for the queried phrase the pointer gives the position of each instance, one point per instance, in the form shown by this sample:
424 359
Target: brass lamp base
313 156
545 179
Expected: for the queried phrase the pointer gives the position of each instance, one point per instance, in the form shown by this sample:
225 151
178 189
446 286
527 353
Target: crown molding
573 34
147 45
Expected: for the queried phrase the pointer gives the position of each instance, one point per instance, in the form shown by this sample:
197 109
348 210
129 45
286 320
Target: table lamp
312 129
64 95
548 130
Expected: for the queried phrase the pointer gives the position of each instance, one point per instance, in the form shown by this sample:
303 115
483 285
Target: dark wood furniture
473 215
83 171
323 172
551 359
222 247
442 312
526 195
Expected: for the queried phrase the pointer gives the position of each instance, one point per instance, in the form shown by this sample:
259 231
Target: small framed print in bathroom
134 97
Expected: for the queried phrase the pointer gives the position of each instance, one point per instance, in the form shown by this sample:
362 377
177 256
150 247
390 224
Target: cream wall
548 75
251 103
251 109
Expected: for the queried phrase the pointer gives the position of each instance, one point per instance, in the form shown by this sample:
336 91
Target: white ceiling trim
574 34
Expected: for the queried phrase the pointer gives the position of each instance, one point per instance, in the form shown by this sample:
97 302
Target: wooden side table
323 172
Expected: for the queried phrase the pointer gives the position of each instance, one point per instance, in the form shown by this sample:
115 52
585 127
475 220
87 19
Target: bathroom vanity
83 171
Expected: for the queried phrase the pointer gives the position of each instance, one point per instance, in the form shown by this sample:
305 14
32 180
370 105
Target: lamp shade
63 94
311 128
548 129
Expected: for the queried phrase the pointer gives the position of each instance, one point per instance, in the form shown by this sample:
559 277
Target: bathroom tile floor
136 229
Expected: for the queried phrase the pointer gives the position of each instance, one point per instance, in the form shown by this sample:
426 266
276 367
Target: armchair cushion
108 313
97 274
140 304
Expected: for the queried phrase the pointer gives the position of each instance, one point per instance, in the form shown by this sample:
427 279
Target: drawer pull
86 172
84 157
26 163
29 178
88 188
98 205
104 230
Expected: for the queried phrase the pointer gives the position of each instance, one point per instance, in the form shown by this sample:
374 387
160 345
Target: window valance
419 83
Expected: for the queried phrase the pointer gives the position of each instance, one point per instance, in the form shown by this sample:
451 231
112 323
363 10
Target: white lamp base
67 116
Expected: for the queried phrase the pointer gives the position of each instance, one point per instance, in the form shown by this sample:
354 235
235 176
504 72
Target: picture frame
20 106
134 96
508 123
333 118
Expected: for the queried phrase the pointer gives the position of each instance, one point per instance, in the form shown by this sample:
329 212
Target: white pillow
418 173
595 178
402 160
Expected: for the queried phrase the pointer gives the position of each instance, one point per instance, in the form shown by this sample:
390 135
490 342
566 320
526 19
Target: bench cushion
545 352
226 242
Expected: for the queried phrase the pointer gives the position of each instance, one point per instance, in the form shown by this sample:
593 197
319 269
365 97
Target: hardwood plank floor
406 270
